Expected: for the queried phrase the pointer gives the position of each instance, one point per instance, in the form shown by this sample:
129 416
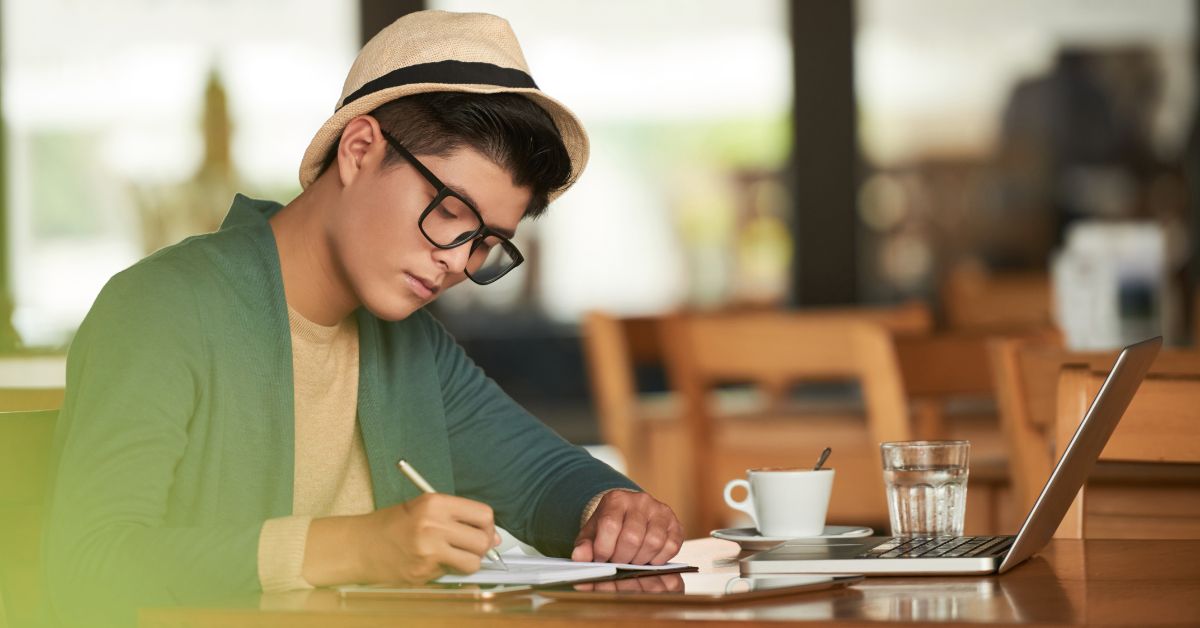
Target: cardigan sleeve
132 385
537 483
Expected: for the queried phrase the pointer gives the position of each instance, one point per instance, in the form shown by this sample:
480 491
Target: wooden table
1094 582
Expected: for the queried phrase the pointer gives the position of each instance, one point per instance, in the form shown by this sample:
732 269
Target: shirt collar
249 211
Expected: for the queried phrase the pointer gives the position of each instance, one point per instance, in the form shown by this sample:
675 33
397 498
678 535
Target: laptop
979 554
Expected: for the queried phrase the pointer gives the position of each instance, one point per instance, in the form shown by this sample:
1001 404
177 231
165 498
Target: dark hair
510 130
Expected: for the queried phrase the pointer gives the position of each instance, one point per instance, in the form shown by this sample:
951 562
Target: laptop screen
1081 453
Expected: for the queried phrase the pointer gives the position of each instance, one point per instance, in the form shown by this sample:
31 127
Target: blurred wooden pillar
1191 169
375 14
824 159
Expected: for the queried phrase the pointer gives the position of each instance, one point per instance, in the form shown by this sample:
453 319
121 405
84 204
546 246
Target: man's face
389 265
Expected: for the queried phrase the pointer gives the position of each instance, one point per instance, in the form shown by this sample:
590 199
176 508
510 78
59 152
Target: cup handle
738 585
746 505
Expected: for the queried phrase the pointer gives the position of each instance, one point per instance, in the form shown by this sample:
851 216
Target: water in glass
928 501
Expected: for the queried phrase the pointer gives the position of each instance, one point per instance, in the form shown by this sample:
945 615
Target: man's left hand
629 527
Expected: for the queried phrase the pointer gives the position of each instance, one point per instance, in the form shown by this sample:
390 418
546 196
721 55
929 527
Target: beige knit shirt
332 476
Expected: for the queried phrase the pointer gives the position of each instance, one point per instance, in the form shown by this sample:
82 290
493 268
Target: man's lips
422 287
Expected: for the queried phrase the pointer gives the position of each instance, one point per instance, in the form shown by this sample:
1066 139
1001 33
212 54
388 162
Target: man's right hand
413 542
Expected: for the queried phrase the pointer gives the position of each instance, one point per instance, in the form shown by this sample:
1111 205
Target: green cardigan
176 438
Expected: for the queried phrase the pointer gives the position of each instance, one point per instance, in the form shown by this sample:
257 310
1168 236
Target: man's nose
455 259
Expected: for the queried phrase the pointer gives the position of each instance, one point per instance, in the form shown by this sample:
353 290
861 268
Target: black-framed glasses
450 221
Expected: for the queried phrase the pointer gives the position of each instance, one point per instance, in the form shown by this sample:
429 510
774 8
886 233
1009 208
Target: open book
524 570
543 570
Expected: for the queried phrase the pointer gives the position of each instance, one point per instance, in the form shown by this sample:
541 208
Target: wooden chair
25 443
975 299
645 427
1159 495
642 426
772 351
1026 374
949 382
614 349
938 369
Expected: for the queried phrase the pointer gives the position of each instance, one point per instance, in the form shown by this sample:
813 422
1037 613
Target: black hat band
449 72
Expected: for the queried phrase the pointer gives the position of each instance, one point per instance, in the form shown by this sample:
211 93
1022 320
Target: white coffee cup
784 502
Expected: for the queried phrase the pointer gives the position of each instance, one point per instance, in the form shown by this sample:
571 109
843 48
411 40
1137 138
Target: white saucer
750 539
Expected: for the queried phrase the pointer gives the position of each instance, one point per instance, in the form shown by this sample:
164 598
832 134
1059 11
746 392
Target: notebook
986 554
543 570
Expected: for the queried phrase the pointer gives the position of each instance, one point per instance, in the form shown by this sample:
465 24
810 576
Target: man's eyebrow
458 191
461 193
507 233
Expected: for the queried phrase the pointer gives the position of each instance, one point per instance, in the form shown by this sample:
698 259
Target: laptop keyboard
938 547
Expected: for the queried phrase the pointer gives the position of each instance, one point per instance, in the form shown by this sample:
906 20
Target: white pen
411 474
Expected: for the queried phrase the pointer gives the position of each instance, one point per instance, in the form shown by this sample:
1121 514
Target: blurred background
763 154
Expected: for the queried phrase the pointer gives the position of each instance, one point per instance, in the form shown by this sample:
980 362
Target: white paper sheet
542 570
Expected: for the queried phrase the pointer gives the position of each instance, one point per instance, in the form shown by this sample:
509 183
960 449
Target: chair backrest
975 299
774 350
615 346
949 369
1154 489
952 363
25 449
1026 377
1026 372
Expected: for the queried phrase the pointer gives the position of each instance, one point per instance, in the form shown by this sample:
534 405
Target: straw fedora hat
439 51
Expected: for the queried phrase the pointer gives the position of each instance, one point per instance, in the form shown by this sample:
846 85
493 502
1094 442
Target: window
687 106
131 123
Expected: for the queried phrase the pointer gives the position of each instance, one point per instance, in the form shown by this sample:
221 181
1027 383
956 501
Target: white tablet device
434 591
695 588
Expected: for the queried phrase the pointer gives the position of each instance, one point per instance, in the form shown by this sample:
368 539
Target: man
236 403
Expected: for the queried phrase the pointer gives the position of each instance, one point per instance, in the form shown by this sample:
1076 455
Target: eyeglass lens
451 223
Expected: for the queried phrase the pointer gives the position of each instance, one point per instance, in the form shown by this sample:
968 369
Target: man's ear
360 148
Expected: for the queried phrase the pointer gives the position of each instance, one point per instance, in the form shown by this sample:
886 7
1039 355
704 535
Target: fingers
424 573
671 545
654 540
437 506
444 511
606 532
460 561
468 511
583 551
437 532
630 538
629 527
470 539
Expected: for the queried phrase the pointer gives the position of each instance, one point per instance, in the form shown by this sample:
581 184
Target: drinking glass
926 485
